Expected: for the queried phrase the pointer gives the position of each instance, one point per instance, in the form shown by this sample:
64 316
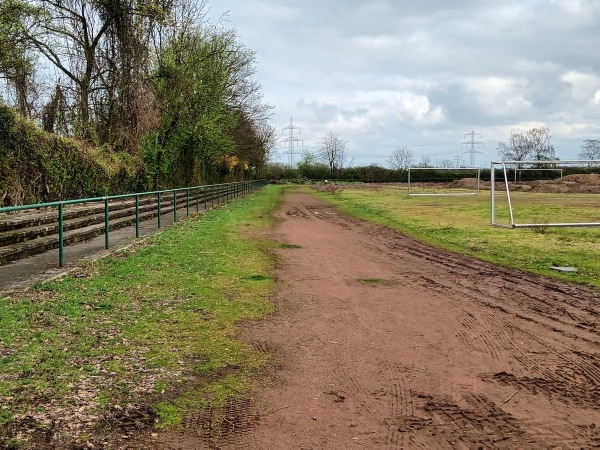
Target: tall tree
253 142
425 161
532 145
332 151
16 58
101 49
401 159
68 34
590 149
207 100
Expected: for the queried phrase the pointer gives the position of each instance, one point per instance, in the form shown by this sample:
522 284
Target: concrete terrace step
42 216
25 235
31 247
75 220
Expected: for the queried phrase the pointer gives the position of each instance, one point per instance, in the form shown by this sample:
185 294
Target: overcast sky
388 73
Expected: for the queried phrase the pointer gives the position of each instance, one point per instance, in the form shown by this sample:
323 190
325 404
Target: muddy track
429 350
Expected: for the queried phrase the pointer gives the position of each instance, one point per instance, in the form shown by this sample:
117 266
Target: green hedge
36 166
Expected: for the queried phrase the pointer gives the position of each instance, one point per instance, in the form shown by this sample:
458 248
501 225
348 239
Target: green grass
154 326
289 246
462 224
375 282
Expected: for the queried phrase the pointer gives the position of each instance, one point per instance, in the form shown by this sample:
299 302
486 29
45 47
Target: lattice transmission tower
290 141
472 144
459 161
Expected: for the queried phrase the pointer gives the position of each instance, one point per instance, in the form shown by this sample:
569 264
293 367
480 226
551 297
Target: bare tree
541 148
401 159
446 163
425 161
534 144
69 35
332 151
17 63
590 149
268 136
516 149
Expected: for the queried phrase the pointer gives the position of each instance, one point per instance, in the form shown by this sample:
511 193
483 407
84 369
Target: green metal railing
222 193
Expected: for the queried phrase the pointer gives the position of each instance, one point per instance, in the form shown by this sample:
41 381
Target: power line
359 144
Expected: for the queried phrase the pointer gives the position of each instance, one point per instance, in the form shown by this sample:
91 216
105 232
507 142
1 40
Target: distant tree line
374 173
330 161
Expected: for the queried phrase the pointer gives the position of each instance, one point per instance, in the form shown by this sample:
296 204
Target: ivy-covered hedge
36 166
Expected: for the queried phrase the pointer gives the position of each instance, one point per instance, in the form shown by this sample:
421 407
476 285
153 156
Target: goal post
475 172
518 165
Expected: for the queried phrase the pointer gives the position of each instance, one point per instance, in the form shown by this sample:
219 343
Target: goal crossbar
512 223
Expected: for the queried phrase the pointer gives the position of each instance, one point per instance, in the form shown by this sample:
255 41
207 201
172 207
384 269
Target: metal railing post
137 216
197 199
158 207
187 202
106 226
174 206
61 241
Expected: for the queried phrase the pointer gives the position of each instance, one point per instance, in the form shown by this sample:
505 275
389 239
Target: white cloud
392 72
584 86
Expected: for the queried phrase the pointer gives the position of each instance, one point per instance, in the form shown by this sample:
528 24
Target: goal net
443 181
552 194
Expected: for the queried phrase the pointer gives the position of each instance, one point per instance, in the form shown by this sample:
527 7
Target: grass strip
141 337
462 224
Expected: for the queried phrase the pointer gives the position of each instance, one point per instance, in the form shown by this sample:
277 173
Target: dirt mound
589 179
469 183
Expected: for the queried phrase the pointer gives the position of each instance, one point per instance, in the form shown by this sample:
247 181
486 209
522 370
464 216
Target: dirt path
434 350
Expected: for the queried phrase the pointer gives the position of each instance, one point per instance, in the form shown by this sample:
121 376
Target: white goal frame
449 194
513 224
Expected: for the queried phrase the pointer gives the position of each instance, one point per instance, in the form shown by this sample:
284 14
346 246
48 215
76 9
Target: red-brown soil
389 343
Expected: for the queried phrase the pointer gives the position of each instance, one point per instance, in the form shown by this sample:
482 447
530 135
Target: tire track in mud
583 302
420 420
575 377
392 392
352 384
577 373
400 395
579 305
566 383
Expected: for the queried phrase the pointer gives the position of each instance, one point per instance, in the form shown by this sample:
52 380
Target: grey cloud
398 71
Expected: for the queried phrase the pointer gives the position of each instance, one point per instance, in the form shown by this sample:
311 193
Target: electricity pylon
472 144
291 140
